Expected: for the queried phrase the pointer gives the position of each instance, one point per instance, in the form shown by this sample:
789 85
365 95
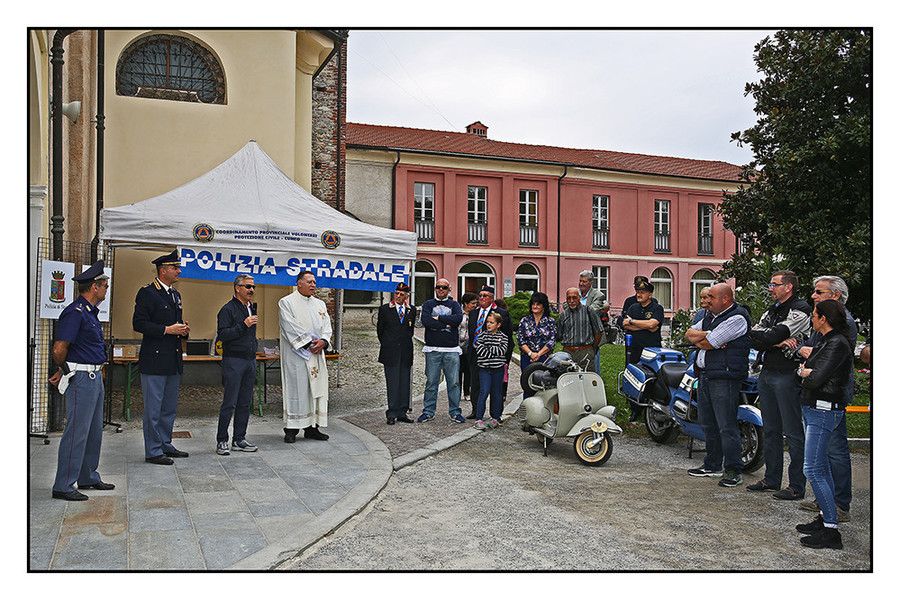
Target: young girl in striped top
490 356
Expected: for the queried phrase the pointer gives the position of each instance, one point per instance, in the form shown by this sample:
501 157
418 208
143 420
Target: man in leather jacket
779 389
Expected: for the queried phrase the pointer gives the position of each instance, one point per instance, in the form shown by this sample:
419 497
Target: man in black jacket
779 388
158 316
396 322
236 329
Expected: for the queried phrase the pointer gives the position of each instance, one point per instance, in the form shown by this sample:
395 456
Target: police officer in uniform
80 352
157 315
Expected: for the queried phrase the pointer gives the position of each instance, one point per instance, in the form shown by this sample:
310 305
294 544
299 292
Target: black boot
290 435
827 537
313 433
817 524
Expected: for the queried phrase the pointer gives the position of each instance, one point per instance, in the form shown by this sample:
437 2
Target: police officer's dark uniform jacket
154 310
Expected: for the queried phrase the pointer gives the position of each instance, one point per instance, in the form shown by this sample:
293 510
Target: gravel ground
496 503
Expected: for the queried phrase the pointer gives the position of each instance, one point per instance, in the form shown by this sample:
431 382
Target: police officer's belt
81 367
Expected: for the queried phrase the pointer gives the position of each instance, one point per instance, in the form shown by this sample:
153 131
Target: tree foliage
807 195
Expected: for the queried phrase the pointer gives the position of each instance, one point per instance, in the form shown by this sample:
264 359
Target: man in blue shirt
80 352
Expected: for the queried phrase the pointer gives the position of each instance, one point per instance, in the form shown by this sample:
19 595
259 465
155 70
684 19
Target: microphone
253 306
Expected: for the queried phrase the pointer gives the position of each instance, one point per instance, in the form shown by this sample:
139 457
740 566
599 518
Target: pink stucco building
530 217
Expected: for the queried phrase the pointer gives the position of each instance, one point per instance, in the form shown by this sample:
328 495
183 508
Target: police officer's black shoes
162 459
176 453
100 485
74 495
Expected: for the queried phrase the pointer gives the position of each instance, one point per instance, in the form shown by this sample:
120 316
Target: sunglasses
820 292
249 286
442 287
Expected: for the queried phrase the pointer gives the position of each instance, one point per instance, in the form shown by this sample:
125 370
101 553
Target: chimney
478 128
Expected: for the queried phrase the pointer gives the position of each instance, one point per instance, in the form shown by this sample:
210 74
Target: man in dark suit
477 316
158 316
396 322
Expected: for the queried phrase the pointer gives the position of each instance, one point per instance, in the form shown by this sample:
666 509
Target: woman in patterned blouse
537 333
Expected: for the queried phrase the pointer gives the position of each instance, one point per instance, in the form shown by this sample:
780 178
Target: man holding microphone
236 328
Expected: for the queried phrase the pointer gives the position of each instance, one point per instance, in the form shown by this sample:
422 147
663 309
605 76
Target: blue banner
282 268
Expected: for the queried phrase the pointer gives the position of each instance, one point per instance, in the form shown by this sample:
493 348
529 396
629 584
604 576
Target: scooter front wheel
594 455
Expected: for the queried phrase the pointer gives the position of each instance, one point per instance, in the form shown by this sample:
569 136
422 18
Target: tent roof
248 202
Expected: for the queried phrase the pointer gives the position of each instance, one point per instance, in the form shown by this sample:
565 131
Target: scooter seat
671 374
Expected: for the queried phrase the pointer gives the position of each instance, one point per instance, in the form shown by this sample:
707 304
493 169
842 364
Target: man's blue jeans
435 362
717 405
820 424
779 401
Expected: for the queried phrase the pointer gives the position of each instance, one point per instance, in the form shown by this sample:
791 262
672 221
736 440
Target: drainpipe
559 231
101 49
56 63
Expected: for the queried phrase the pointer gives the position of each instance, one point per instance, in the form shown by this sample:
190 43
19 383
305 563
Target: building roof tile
466 144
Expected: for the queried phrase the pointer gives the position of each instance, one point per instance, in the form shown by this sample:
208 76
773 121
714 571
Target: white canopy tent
248 216
248 203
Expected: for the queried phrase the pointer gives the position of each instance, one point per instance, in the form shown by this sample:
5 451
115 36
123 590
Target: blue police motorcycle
664 385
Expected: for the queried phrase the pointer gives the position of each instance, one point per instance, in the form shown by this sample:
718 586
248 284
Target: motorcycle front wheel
752 454
660 426
597 455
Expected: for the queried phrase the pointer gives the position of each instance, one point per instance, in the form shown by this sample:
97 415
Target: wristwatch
799 371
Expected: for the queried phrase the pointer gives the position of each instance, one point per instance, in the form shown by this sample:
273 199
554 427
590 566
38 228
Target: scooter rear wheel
597 455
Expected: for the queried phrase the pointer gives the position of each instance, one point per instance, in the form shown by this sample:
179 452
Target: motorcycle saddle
671 374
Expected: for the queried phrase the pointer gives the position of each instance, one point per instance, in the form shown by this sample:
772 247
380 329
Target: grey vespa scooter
569 402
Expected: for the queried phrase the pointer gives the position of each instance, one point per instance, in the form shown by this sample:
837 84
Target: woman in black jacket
825 376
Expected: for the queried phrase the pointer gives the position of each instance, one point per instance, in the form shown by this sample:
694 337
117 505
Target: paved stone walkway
246 511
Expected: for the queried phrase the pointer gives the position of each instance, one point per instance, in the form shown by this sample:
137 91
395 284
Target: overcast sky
671 93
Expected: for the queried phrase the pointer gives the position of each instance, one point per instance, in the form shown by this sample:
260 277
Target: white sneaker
479 425
222 448
493 423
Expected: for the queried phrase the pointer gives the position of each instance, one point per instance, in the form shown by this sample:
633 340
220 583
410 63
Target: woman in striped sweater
490 356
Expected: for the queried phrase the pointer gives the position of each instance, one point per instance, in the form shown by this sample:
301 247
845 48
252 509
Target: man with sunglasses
831 287
441 317
236 329
779 388
80 352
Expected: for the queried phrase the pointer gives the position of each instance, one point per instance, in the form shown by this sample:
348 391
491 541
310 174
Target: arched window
423 282
170 67
661 279
701 279
472 276
527 278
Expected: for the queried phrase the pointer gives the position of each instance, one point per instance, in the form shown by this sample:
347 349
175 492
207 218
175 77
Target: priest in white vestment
305 334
